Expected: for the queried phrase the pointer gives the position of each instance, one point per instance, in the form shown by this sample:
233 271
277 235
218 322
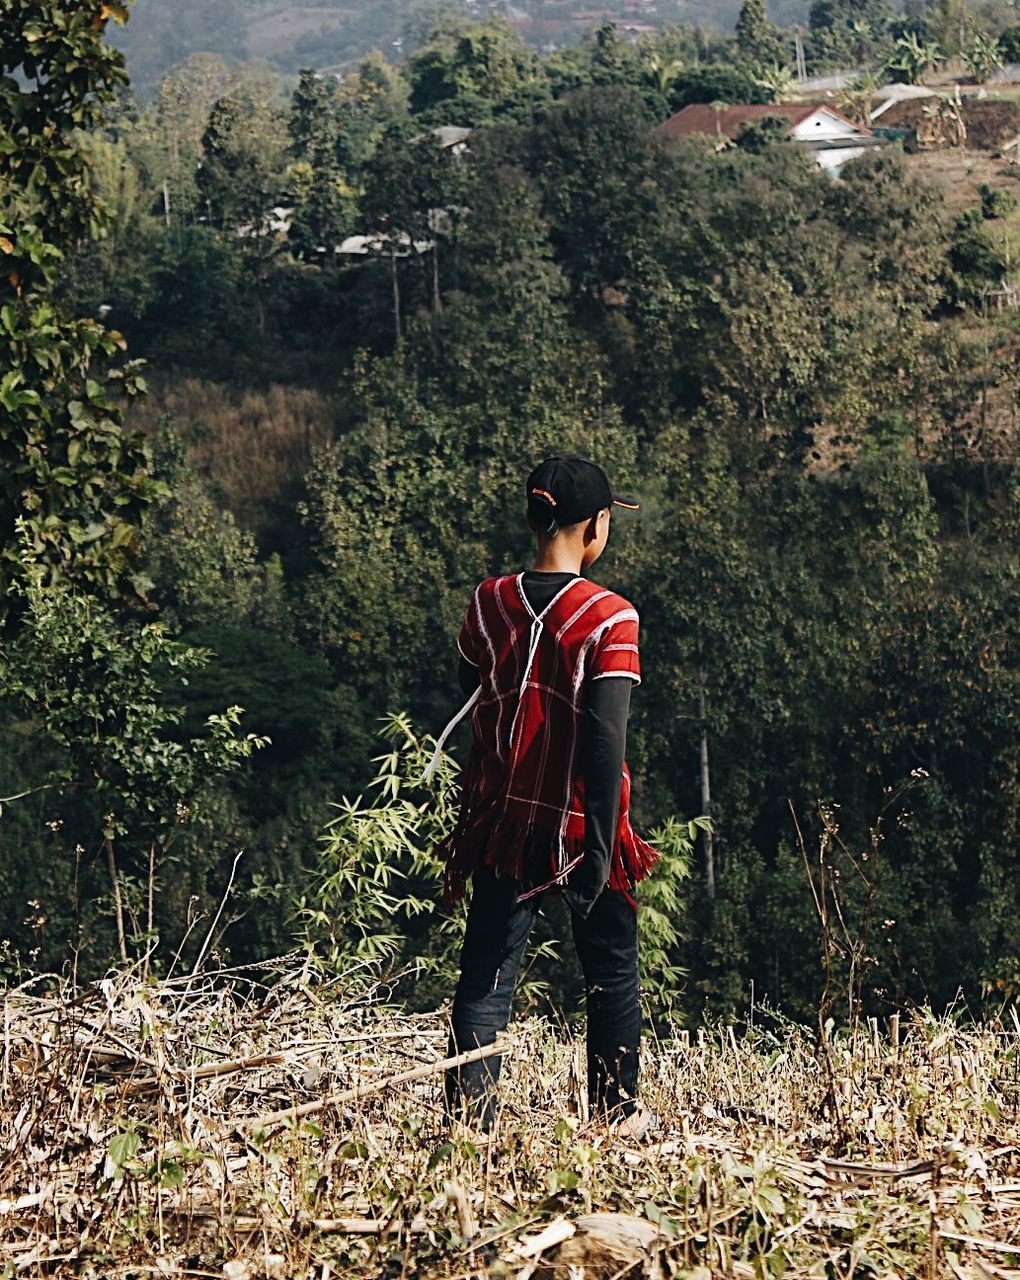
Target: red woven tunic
522 789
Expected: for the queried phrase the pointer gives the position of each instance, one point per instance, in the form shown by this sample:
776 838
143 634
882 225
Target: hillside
289 34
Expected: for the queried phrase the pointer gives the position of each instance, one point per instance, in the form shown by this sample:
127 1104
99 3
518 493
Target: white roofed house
832 137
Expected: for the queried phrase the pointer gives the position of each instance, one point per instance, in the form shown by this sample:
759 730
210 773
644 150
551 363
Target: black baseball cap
568 489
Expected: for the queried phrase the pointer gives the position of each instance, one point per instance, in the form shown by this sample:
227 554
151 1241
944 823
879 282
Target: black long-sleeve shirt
603 747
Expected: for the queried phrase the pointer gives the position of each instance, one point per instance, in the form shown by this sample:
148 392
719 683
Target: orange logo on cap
543 493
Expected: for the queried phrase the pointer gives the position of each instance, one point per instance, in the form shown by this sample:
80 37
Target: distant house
380 245
452 137
633 31
833 137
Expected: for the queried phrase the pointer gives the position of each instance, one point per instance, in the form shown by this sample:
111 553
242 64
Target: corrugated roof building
833 137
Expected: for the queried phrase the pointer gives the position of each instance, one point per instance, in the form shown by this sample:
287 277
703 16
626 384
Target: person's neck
558 556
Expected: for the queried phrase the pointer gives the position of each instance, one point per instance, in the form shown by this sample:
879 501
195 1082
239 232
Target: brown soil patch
991 122
960 174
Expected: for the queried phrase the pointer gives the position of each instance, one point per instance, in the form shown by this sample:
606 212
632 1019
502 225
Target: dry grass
251 444
132 1146
959 175
279 30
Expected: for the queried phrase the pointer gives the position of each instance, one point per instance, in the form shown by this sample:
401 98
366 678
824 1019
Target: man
550 660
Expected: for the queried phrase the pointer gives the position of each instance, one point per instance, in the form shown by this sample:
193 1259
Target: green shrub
373 908
995 202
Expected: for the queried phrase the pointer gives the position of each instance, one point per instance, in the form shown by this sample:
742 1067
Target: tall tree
371 100
757 38
323 199
76 673
72 480
843 31
181 112
469 78
242 178
244 155
594 160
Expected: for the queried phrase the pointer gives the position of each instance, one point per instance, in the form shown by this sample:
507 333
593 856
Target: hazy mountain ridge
290 34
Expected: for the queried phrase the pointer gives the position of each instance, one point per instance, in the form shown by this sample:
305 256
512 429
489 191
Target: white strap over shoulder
437 755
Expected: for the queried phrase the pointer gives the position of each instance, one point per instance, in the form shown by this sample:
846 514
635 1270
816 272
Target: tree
911 58
471 77
1009 44
243 160
368 103
758 40
714 82
92 277
323 199
98 689
593 159
75 481
844 31
981 56
614 60
857 99
409 203
977 264
205 567
841 15
897 223
178 119
776 80
242 177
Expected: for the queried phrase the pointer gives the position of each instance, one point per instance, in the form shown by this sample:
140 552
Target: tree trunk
260 295
118 901
706 783
437 302
396 295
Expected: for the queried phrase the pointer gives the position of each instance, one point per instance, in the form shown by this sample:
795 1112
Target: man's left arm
603 748
615 669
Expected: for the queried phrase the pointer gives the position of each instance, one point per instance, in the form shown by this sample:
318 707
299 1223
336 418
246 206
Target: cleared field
960 174
272 34
219 1127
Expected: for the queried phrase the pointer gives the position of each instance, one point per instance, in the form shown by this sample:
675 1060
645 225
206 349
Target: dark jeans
607 947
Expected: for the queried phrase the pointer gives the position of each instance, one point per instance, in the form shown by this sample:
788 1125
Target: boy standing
550 659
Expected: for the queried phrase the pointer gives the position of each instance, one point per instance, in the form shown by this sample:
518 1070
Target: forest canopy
368 302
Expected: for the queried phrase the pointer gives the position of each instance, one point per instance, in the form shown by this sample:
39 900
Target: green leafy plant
374 907
97 688
981 56
775 79
377 873
73 478
911 58
662 899
996 202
